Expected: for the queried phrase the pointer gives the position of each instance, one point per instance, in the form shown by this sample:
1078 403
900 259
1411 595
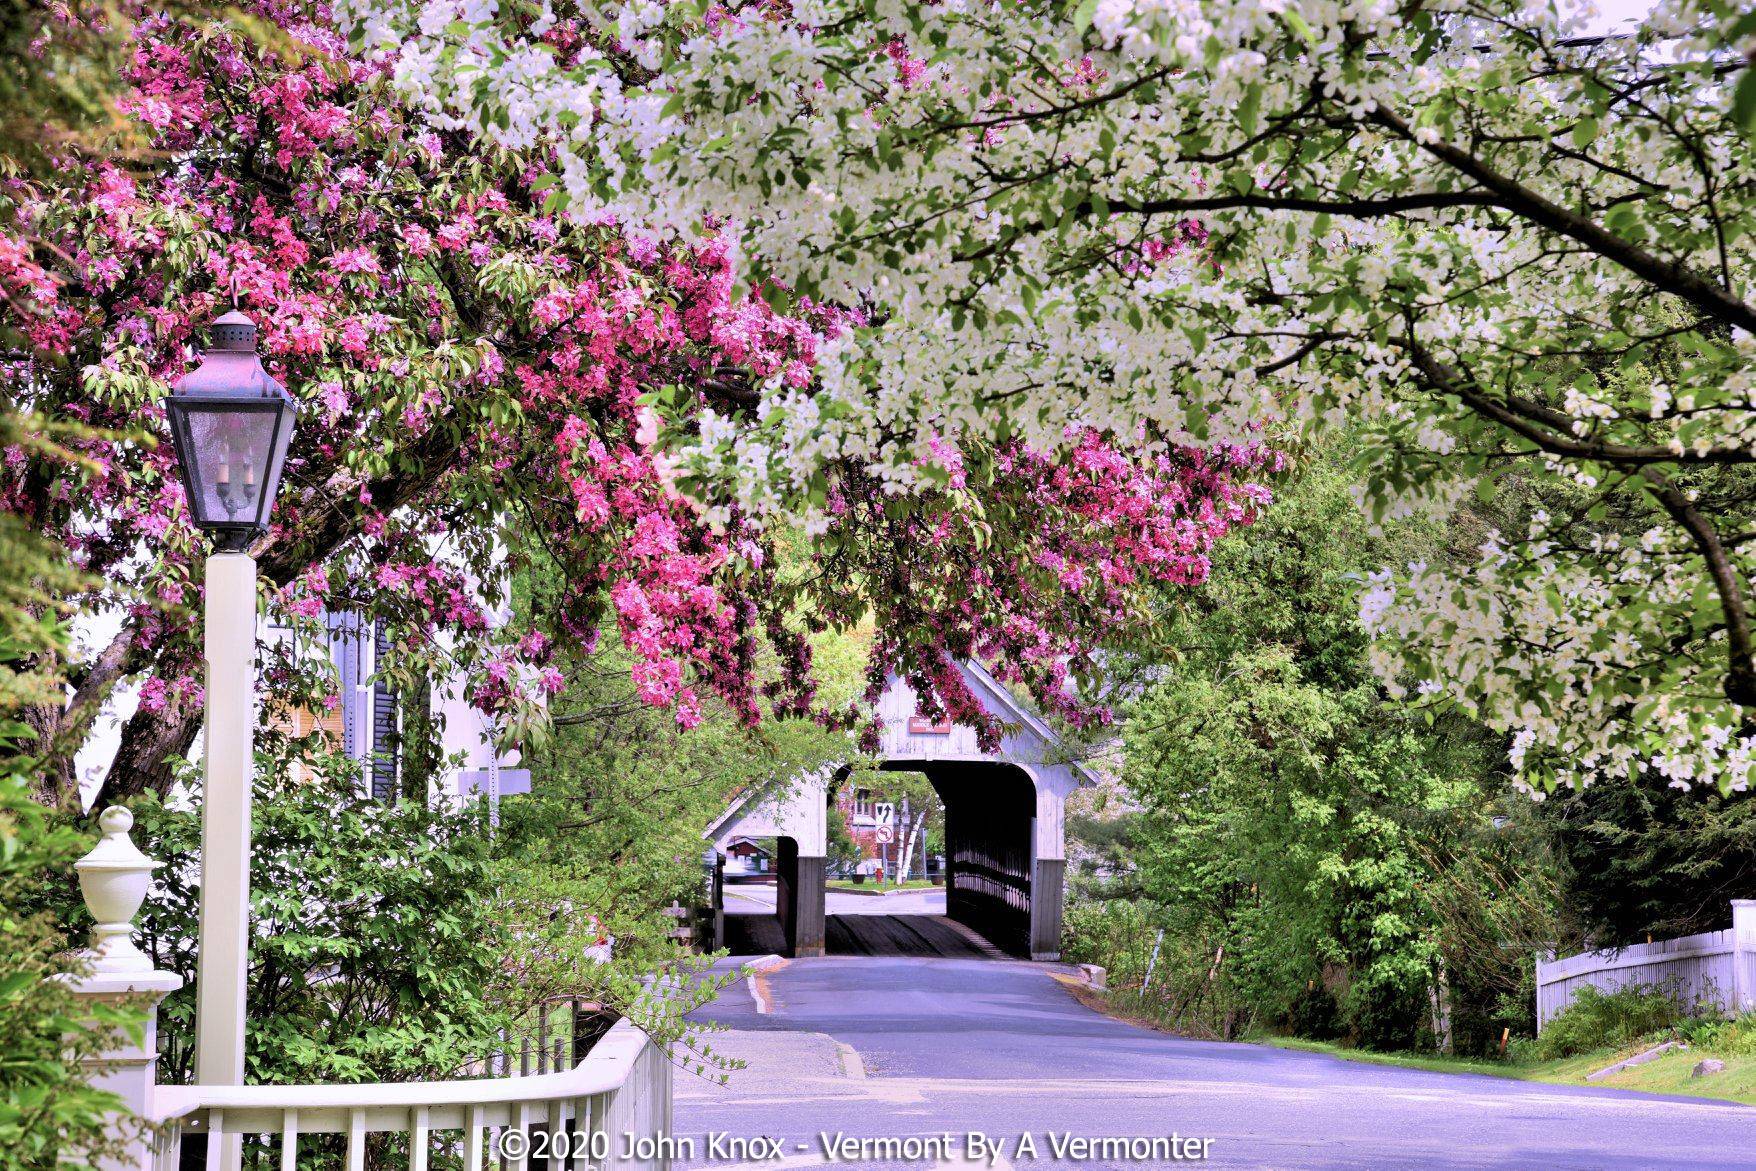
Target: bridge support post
809 924
1047 888
1048 877
798 898
717 900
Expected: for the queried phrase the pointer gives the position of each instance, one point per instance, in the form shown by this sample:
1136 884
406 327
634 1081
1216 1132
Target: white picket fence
1714 968
585 1117
606 1107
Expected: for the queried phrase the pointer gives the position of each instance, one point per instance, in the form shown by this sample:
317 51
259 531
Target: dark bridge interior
990 823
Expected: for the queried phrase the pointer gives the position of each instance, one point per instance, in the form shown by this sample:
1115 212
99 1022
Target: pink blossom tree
487 385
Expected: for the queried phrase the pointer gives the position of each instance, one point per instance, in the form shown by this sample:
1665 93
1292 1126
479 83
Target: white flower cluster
1570 652
1198 218
461 66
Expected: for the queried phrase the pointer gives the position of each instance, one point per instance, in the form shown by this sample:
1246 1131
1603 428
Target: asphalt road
891 1047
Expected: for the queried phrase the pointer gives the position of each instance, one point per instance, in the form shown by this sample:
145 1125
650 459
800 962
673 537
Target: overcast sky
1614 13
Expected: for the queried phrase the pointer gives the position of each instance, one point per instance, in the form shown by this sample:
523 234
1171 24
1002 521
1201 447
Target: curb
851 1065
758 991
1638 1059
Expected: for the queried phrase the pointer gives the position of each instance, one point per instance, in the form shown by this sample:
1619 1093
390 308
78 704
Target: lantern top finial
234 333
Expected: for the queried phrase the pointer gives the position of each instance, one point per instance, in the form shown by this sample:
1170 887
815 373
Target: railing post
114 878
1743 955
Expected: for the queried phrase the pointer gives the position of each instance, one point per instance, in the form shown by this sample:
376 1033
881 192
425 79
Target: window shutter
344 652
384 729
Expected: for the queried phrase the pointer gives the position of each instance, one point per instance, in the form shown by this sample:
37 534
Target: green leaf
1744 102
1250 108
1301 28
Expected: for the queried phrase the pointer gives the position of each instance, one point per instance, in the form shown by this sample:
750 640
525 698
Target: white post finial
114 879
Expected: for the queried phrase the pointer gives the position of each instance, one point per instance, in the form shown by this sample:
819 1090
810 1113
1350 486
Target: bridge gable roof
1028 740
794 806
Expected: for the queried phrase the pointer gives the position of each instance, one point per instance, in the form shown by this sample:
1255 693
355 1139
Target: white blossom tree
1488 240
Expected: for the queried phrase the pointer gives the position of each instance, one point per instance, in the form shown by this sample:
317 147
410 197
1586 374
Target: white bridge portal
1005 823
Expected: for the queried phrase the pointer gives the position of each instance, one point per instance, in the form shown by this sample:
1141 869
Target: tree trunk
908 851
150 742
1439 997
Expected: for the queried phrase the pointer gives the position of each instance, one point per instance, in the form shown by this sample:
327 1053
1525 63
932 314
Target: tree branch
1740 685
1551 430
1711 299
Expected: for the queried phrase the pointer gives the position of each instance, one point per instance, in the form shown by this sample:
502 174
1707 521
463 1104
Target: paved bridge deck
865 935
905 923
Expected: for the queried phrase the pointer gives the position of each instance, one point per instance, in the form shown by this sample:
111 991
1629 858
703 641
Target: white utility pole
228 768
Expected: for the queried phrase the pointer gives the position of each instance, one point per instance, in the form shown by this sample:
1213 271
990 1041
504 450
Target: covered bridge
1005 827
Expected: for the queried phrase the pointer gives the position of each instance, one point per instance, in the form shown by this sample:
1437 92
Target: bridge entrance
1005 836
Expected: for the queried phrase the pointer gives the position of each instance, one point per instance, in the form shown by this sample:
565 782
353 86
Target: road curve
950 1046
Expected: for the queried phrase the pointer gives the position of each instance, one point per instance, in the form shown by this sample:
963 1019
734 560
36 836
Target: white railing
587 1116
1713 969
610 1110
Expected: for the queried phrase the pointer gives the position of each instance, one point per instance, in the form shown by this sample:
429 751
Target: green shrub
1596 1020
1737 1038
1734 1038
1523 1051
1387 1015
379 942
1114 933
1315 1014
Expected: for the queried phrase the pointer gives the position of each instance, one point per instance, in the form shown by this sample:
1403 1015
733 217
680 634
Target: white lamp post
231 423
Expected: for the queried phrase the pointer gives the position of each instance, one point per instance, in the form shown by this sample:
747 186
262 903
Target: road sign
885 835
884 813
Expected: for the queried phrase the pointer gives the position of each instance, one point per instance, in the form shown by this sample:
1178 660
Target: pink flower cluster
1067 549
510 423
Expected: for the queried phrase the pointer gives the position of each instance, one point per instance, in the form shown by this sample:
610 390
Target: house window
386 722
862 803
371 721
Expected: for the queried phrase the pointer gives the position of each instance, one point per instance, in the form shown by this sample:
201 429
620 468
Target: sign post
884 813
883 835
